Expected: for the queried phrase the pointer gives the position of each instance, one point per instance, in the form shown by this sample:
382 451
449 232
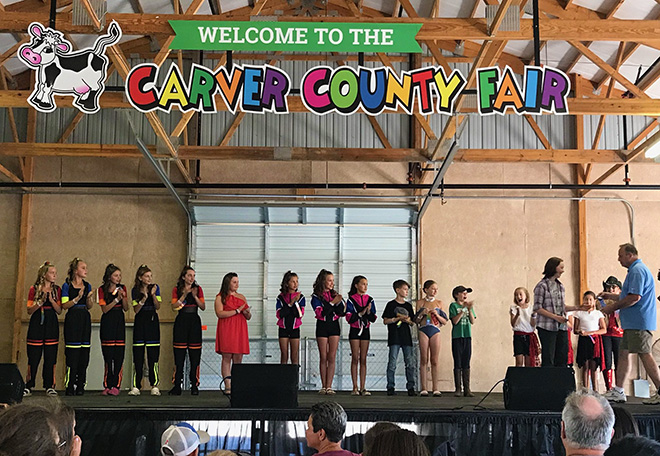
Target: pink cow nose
30 56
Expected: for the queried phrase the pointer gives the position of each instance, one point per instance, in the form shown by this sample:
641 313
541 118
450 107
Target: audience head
587 421
374 433
552 267
624 424
326 423
633 445
42 429
182 440
398 442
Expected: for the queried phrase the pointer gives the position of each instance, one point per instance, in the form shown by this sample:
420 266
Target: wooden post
26 213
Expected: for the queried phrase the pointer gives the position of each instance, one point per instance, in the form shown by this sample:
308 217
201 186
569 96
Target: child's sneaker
27 392
51 392
134 392
653 400
155 391
615 396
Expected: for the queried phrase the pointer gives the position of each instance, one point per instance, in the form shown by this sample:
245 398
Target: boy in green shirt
461 313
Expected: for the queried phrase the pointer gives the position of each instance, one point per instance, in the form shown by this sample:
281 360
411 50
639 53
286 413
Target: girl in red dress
231 339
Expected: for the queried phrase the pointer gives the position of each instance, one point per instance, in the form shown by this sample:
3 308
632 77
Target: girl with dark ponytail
77 299
113 300
146 329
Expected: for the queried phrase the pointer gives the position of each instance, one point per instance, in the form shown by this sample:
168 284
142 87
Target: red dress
231 336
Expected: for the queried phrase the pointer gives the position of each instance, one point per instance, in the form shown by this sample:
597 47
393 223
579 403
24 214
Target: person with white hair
587 423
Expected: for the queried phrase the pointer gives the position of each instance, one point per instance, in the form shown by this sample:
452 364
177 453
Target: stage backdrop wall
492 246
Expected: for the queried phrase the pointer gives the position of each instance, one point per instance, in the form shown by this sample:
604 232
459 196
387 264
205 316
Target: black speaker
11 384
264 386
538 388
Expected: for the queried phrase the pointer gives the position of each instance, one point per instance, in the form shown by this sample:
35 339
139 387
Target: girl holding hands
43 305
360 313
77 299
187 299
590 325
231 339
113 300
289 309
329 307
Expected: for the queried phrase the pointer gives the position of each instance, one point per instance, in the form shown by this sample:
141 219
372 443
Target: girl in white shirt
590 325
526 346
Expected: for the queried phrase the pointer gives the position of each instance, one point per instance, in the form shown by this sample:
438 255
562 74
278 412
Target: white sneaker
51 392
155 391
653 400
134 392
27 392
614 396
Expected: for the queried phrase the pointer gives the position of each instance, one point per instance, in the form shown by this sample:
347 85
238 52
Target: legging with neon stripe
113 341
146 336
42 337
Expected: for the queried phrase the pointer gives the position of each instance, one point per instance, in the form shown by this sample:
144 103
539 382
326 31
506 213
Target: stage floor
214 402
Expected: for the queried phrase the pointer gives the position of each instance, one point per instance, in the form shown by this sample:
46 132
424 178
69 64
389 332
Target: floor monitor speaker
264 386
538 388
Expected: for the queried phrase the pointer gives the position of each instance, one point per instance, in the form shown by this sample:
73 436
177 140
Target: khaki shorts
636 341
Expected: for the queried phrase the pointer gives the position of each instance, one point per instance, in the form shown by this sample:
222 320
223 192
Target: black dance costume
43 336
77 336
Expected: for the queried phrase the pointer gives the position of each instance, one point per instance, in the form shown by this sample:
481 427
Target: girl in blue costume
429 318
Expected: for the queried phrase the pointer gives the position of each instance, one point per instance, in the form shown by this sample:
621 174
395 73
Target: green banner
295 36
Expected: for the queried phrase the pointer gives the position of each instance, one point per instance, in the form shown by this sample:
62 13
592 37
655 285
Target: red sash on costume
534 347
599 350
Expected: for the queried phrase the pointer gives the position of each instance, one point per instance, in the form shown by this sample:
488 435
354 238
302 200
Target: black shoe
80 391
411 392
194 390
391 392
176 391
69 392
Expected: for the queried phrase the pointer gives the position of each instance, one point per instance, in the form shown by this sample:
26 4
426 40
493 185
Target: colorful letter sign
295 36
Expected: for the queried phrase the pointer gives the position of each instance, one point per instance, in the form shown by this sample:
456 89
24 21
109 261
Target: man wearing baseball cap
182 440
461 313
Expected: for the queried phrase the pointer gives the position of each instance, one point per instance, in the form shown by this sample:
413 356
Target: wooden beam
610 89
72 126
10 111
639 150
642 31
537 130
379 132
571 156
607 68
643 134
121 64
92 14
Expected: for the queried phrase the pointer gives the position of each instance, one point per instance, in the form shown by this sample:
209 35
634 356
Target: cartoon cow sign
80 74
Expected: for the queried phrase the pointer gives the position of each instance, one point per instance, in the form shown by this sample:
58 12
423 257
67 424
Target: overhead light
653 151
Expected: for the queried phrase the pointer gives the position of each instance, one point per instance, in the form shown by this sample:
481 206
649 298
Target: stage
127 425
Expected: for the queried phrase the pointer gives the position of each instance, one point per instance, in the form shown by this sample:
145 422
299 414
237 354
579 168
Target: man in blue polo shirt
637 311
